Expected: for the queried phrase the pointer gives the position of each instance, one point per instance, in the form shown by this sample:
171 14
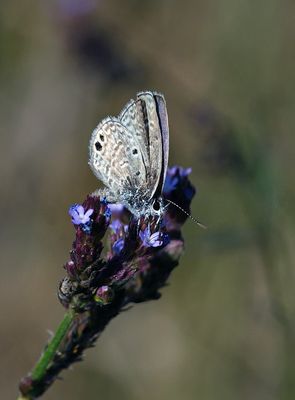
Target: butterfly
129 154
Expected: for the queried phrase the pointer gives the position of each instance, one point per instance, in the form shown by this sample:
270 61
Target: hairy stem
47 356
49 353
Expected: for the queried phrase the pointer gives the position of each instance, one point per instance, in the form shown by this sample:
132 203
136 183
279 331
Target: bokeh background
224 328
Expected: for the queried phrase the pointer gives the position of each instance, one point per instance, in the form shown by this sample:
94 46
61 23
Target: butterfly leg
158 221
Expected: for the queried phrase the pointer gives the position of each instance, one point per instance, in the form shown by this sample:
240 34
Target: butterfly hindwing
132 118
114 158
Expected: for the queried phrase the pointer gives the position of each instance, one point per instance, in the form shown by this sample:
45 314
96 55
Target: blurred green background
224 328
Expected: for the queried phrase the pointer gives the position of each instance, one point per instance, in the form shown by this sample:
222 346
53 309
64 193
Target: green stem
47 356
49 353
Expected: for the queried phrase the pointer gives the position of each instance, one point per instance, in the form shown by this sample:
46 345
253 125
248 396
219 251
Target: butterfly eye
134 151
156 205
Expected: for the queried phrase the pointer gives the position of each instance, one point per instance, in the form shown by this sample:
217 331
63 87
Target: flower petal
115 225
156 243
155 240
116 207
187 171
118 246
80 210
142 236
88 213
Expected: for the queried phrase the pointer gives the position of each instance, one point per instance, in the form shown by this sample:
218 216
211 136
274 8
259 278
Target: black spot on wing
98 146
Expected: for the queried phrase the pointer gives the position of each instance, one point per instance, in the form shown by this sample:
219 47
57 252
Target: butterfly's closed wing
129 154
146 119
132 117
163 120
156 126
114 159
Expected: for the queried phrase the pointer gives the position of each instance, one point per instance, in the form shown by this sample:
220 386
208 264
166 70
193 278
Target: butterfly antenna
186 213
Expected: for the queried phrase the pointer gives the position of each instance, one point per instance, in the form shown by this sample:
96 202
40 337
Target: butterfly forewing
163 120
156 122
154 140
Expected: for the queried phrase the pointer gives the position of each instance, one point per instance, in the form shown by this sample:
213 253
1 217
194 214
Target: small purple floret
116 207
173 177
116 225
108 212
170 183
183 172
103 295
148 240
101 291
87 227
118 246
78 214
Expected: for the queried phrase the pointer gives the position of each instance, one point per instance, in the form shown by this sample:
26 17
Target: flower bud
104 295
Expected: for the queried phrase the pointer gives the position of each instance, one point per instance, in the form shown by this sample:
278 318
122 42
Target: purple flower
116 207
170 183
100 284
103 295
87 227
184 171
173 178
79 216
108 212
116 225
149 240
118 246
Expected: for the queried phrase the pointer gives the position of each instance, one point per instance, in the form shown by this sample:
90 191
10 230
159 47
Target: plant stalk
48 354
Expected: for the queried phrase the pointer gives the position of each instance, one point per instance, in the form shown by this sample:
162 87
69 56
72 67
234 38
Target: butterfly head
151 210
156 207
140 205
